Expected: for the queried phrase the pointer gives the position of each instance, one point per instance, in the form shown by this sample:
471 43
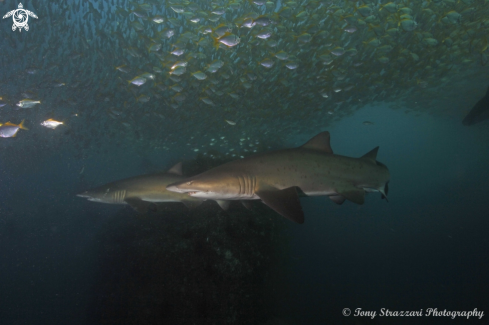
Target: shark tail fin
385 191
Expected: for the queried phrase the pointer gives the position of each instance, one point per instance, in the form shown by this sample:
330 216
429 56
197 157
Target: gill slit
240 186
246 185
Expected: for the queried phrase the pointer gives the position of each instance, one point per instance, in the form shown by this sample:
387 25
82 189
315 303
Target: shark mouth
191 193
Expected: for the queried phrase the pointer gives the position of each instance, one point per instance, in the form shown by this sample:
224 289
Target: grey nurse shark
141 192
279 177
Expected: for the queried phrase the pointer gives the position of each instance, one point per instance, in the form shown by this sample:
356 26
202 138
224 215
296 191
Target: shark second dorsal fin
371 155
319 142
177 169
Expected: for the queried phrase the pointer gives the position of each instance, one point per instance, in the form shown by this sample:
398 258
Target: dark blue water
426 248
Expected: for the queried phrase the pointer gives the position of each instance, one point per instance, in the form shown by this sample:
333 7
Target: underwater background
334 68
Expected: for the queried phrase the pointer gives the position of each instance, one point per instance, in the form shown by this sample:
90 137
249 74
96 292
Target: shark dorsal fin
319 142
177 169
371 155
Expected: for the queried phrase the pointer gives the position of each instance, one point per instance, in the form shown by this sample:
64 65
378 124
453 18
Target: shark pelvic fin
338 199
286 202
351 193
320 142
371 155
223 204
140 206
177 169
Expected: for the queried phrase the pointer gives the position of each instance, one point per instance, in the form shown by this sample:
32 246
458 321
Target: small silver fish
27 103
229 40
51 124
9 130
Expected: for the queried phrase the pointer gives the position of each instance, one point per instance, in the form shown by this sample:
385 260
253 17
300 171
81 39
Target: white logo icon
20 17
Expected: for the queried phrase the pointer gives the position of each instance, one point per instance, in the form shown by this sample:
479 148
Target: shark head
207 186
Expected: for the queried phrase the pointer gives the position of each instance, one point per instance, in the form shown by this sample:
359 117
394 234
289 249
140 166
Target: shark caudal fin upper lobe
479 112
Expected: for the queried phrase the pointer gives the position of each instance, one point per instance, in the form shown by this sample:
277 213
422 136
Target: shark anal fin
286 202
338 199
140 206
246 204
320 142
191 204
223 204
351 193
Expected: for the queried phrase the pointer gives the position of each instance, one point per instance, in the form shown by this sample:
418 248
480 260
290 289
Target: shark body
479 112
141 192
278 177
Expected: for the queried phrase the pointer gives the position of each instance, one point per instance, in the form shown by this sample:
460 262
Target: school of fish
209 74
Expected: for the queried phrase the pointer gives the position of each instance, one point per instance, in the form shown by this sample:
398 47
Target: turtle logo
20 17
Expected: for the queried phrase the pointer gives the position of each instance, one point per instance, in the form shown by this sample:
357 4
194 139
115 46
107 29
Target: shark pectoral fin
338 199
223 204
177 169
192 204
351 193
246 204
286 202
139 205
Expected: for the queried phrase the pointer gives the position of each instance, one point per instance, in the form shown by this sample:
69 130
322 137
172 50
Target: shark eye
189 183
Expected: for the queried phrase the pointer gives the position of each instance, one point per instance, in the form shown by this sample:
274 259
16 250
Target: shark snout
187 186
84 194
